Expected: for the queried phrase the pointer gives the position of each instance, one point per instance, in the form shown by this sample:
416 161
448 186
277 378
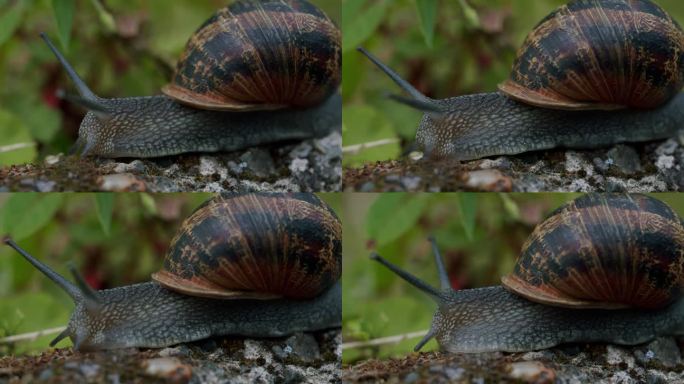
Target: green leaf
393 214
10 19
64 15
510 206
104 205
149 203
16 144
470 14
427 10
359 24
26 213
467 207
363 124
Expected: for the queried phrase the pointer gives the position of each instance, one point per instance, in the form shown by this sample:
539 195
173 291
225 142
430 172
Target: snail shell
603 251
608 54
258 246
257 55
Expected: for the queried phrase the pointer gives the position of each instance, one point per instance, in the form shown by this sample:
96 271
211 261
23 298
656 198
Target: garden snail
602 268
275 259
591 74
256 72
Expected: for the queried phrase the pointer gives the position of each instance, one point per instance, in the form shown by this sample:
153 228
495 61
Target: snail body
599 269
249 265
591 74
256 72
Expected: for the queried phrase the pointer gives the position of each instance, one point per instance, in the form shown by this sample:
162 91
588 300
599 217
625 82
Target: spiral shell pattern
258 246
600 54
259 55
603 251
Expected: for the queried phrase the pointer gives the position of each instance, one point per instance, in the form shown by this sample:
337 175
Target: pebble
489 180
169 368
135 166
574 162
304 346
667 148
254 351
665 350
531 371
299 165
259 162
617 355
626 159
123 182
665 162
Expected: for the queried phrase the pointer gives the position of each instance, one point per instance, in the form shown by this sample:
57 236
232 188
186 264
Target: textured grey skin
147 315
158 126
481 125
494 319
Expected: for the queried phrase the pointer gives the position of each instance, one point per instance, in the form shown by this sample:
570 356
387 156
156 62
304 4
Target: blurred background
111 239
443 48
479 235
119 47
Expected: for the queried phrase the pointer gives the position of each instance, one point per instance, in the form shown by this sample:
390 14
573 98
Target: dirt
656 362
301 358
309 166
647 167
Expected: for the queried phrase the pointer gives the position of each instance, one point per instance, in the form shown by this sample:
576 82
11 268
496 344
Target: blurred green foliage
443 48
112 239
120 47
479 236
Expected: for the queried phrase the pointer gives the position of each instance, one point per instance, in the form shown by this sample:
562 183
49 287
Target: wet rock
626 159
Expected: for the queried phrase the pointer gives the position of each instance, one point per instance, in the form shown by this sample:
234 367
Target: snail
256 72
602 268
591 74
264 265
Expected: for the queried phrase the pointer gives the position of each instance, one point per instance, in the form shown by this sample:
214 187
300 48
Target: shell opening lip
539 99
192 99
203 288
549 296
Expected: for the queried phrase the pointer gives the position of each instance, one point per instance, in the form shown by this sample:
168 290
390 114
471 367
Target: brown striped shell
258 246
259 55
603 251
606 54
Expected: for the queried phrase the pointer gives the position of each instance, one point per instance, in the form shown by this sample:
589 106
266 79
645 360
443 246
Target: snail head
85 325
441 295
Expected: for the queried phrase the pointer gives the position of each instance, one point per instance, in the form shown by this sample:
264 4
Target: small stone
301 151
665 350
667 148
411 183
574 162
498 163
665 162
169 368
531 371
489 180
123 182
210 166
135 166
89 371
236 168
616 356
411 378
304 346
173 351
53 159
299 165
259 162
625 158
254 351
580 185
600 164
622 377
45 185
114 378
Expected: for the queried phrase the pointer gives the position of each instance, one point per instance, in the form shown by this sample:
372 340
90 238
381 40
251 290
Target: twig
383 340
14 147
354 149
31 335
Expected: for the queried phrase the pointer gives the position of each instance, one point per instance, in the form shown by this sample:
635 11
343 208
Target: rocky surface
649 167
309 166
659 361
301 358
